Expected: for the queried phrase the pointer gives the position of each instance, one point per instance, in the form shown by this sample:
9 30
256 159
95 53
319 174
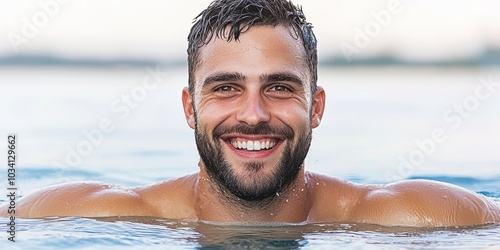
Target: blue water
131 233
156 233
372 120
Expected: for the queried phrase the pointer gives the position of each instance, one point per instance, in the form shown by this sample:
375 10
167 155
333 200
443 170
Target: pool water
157 233
123 233
373 119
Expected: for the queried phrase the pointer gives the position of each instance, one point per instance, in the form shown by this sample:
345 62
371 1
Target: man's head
227 19
252 96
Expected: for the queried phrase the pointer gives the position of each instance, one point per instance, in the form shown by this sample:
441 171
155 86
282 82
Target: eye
280 91
280 88
225 90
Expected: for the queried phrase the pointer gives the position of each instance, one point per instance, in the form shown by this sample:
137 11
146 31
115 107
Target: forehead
260 50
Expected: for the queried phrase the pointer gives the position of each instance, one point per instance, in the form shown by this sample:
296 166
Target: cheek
295 116
211 115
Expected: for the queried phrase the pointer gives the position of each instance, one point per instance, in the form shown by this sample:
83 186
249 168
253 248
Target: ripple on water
130 232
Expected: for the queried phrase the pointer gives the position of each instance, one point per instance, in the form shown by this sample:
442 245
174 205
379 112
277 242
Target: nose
253 109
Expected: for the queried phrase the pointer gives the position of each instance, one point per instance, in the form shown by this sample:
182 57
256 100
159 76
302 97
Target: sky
157 29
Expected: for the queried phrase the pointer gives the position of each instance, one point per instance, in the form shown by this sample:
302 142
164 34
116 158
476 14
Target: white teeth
250 145
253 145
256 145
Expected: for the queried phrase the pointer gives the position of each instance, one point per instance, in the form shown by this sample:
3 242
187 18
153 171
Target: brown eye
280 91
280 88
224 89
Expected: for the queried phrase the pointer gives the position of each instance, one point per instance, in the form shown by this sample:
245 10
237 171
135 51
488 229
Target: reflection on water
122 232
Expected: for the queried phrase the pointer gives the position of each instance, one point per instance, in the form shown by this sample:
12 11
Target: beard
253 186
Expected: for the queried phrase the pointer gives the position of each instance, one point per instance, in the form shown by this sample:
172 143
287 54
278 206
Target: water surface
153 233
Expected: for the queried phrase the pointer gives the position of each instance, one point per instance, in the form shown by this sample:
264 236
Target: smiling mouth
253 145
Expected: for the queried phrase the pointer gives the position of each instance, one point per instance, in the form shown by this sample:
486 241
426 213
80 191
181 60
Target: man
253 101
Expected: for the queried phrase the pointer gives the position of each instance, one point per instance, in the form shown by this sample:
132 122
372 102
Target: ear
187 103
318 106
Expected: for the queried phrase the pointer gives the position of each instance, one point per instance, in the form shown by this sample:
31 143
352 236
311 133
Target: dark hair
241 15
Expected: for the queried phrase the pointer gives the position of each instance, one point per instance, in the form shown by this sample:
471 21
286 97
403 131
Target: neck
217 204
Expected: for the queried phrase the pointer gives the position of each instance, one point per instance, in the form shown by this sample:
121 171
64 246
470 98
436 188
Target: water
374 118
130 232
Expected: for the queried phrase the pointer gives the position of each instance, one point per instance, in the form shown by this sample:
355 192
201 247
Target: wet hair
239 16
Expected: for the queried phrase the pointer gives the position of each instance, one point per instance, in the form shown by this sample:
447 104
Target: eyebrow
224 77
238 77
282 77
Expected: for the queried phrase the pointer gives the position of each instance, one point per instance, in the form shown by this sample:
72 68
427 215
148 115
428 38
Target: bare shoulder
173 199
333 199
424 203
88 199
97 199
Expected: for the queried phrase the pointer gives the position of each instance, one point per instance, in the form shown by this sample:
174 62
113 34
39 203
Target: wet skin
262 79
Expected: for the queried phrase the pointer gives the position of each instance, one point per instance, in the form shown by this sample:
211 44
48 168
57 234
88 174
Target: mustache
261 129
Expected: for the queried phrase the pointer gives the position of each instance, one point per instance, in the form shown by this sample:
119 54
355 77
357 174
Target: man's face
253 111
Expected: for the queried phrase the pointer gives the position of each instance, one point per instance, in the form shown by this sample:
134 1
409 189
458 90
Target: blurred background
395 72
154 30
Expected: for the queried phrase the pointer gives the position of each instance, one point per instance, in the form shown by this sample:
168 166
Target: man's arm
424 203
87 199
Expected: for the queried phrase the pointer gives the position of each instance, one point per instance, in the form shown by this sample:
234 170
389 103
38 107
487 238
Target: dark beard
254 187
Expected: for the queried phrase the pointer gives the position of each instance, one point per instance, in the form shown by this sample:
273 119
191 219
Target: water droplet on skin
293 189
317 183
277 194
286 200
271 214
